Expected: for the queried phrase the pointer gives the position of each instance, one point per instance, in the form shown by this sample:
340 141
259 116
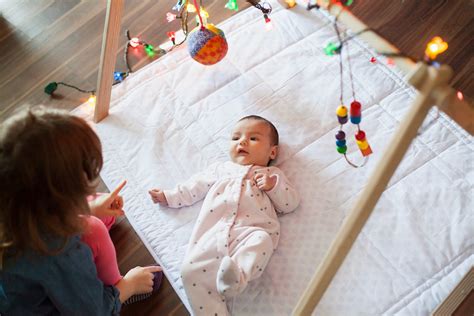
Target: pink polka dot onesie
236 232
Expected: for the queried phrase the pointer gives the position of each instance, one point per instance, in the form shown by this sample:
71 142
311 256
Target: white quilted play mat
174 117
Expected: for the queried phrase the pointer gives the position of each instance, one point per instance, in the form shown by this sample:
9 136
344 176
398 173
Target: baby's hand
157 196
264 182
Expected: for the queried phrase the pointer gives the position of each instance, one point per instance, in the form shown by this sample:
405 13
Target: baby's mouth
242 152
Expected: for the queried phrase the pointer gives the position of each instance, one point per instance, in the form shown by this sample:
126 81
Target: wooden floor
60 40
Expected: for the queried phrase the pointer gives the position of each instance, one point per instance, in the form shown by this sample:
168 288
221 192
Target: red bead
373 60
360 135
355 108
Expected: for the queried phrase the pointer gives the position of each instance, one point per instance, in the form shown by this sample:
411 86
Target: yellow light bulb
204 13
290 3
435 47
190 8
91 101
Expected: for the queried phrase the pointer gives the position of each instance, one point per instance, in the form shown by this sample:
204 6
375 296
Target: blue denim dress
63 284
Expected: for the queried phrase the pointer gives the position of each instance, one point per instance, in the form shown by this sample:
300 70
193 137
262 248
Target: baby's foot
228 278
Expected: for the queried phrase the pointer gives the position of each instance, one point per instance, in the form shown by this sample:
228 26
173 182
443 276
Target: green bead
342 149
51 87
331 49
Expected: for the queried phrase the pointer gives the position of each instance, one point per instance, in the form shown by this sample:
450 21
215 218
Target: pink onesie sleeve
284 197
193 190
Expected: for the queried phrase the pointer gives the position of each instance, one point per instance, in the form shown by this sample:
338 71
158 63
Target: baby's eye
235 138
253 138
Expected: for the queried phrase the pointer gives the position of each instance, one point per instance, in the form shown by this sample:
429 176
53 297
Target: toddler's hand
109 204
138 280
264 182
157 196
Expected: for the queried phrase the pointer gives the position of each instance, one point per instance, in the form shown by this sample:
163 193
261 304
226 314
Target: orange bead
366 151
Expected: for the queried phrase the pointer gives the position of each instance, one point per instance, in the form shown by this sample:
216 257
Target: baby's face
251 143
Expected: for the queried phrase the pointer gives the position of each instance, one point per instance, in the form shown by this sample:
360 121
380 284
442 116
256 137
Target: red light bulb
134 42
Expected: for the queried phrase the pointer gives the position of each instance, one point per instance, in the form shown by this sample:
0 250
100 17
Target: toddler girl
49 164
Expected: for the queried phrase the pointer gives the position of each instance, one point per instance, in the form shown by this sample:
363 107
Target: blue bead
356 119
340 143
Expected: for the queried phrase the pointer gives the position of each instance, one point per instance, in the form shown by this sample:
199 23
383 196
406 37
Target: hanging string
199 15
350 74
341 96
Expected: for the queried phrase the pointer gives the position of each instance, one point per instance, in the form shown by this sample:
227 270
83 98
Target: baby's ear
274 152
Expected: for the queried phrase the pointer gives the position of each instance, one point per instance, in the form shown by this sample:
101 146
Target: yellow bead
341 110
362 144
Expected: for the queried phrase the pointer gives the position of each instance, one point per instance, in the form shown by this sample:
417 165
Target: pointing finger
117 190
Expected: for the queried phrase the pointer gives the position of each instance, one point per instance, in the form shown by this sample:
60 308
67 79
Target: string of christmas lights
183 8
266 9
435 47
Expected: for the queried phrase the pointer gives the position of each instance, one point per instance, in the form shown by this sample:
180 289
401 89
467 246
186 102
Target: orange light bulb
435 47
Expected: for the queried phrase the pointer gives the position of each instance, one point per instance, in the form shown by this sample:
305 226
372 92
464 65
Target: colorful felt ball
207 45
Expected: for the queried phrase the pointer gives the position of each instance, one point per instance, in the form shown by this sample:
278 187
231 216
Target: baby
237 229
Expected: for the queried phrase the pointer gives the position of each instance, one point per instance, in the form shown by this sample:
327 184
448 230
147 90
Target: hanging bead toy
355 118
354 113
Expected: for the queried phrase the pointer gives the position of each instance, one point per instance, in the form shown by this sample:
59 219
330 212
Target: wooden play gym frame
434 89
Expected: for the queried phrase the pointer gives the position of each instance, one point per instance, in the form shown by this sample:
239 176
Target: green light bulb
150 50
332 49
232 5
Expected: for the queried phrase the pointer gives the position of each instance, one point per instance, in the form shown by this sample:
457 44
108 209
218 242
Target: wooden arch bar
434 89
107 58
